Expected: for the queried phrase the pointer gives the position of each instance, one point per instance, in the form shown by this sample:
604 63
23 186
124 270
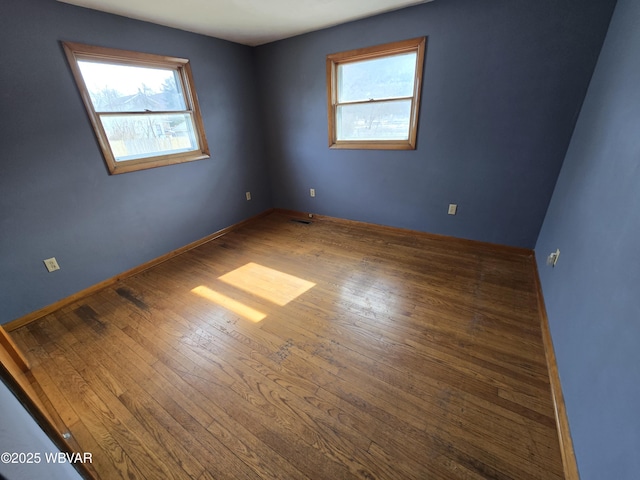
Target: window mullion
163 112
373 100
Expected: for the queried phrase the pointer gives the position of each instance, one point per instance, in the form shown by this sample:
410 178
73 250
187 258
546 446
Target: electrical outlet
552 259
453 208
312 192
248 195
51 264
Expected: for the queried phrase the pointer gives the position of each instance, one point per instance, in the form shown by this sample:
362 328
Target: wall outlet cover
51 264
553 257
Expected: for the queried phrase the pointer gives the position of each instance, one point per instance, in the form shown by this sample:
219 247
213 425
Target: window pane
374 121
124 88
142 136
380 78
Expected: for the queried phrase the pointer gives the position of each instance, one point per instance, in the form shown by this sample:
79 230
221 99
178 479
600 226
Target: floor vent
299 220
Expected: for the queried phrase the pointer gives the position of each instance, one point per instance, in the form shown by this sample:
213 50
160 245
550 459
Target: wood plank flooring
332 350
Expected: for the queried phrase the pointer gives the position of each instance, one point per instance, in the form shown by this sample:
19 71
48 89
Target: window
374 96
143 107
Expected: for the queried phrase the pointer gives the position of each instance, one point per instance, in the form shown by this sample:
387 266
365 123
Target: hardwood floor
325 351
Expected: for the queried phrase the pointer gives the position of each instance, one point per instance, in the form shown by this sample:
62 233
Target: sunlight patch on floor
229 303
272 285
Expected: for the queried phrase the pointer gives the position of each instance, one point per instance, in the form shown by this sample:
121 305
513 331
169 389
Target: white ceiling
251 22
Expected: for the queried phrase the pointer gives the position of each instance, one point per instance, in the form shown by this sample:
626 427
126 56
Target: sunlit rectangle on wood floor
229 303
272 285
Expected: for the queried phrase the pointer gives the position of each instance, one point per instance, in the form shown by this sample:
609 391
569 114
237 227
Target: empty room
320 239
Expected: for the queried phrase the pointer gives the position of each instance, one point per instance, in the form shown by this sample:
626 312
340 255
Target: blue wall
503 84
56 198
593 294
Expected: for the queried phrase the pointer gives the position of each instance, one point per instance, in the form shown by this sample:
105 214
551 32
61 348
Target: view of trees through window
135 106
389 78
373 95
143 107
386 84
